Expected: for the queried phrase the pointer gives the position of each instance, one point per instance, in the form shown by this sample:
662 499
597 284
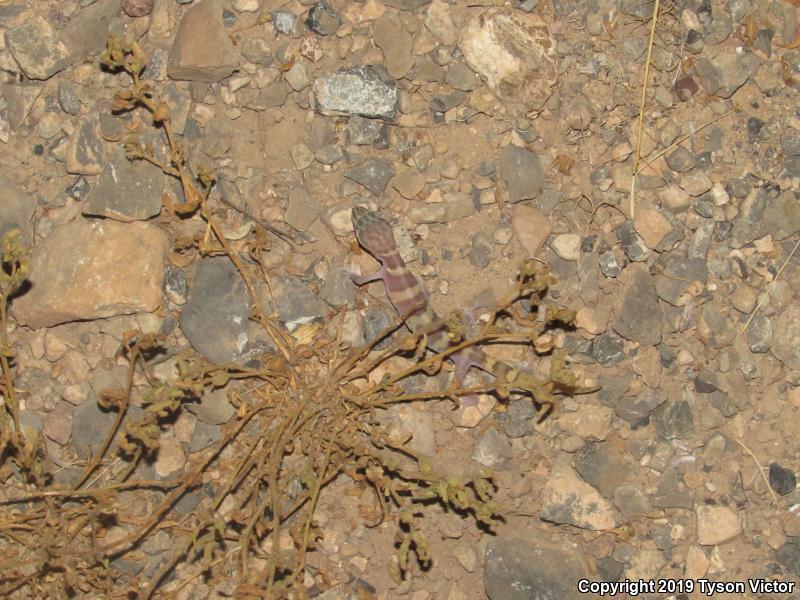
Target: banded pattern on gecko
410 298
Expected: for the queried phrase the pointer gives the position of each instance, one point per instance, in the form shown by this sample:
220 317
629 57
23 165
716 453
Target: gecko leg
462 361
362 279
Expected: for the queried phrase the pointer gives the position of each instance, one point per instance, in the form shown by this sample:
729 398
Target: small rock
531 227
785 336
284 21
85 154
790 144
214 408
171 457
781 479
522 172
480 253
396 44
568 499
127 190
759 334
716 525
322 19
58 424
408 183
724 73
673 419
633 245
37 48
18 210
754 127
68 98
681 160
567 246
302 209
696 564
246 6
367 91
137 8
640 316
215 317
461 77
492 450
19 101
590 421
374 174
366 132
440 23
631 502
521 569
517 421
297 76
604 467
89 426
92 270
696 184
202 50
653 226
608 349
514 54
609 265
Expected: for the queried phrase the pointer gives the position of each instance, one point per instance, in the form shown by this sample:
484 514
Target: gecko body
410 298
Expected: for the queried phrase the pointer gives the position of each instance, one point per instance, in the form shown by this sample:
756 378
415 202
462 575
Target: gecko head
373 233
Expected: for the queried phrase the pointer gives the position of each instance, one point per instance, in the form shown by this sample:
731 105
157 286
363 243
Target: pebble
632 244
520 569
408 183
137 8
127 190
514 54
781 479
374 174
37 48
396 44
653 226
170 458
85 153
680 160
18 210
213 407
786 332
590 421
716 525
68 98
567 246
493 450
367 91
531 227
673 420
323 19
723 73
566 498
215 316
284 22
440 23
522 172
639 318
202 50
91 270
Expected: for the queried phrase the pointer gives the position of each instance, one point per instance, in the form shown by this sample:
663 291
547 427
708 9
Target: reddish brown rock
93 270
202 50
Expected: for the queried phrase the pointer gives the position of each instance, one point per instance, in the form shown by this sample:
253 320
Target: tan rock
716 525
514 54
531 227
652 226
396 44
647 364
408 183
202 50
171 457
93 270
589 421
440 23
566 498
697 563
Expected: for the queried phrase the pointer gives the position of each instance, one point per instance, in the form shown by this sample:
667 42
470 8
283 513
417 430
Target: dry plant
306 415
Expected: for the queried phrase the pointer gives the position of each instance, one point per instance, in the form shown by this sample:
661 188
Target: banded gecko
410 298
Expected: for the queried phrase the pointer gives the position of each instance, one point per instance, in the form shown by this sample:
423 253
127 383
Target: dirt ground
175 404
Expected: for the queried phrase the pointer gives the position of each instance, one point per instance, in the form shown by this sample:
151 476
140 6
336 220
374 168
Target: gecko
410 299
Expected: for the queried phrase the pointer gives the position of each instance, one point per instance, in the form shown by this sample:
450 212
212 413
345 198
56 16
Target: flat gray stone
374 174
215 317
639 318
522 172
127 190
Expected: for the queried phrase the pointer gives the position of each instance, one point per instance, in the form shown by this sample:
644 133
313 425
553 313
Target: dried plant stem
645 80
775 498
